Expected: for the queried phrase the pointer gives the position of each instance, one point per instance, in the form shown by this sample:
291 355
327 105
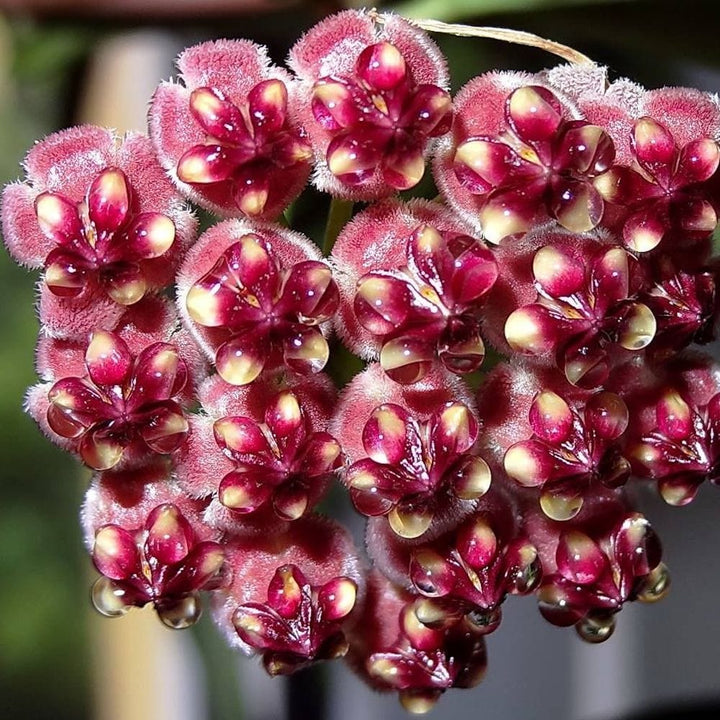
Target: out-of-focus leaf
458 10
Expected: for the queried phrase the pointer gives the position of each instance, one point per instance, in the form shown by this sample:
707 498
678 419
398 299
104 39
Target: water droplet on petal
596 628
108 598
655 586
182 614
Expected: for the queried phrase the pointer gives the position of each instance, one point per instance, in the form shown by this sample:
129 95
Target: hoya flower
98 215
412 287
572 447
412 467
542 164
592 569
258 298
465 574
299 623
393 650
682 450
125 404
278 461
585 307
663 184
227 135
685 305
430 308
293 594
162 562
376 99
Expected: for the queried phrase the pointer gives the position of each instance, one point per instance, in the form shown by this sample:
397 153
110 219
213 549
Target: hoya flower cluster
571 239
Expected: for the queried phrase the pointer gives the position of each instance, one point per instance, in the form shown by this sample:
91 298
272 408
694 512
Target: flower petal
79 402
65 273
529 463
240 436
471 479
382 303
637 327
607 414
584 149
286 590
59 219
579 559
334 103
407 359
102 447
285 420
430 257
150 235
534 113
644 230
321 455
655 149
217 116
410 522
451 432
337 598
251 189
475 272
403 165
124 283
698 162
108 202
305 349
290 501
460 347
115 553
242 358
158 370
611 277
169 535
211 163
389 434
268 106
551 418
381 66
353 159
310 293
108 359
429 112
510 211
164 428
532 330
557 272
576 204
245 491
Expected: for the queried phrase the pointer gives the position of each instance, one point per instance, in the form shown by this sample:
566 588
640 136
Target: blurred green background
44 574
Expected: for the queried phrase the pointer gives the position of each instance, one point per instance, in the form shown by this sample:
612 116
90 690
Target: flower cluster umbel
572 237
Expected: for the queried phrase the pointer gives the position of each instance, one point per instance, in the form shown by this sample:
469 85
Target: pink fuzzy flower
258 297
542 163
103 221
293 594
585 305
162 562
393 650
665 185
374 100
277 461
227 135
604 558
412 285
124 402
